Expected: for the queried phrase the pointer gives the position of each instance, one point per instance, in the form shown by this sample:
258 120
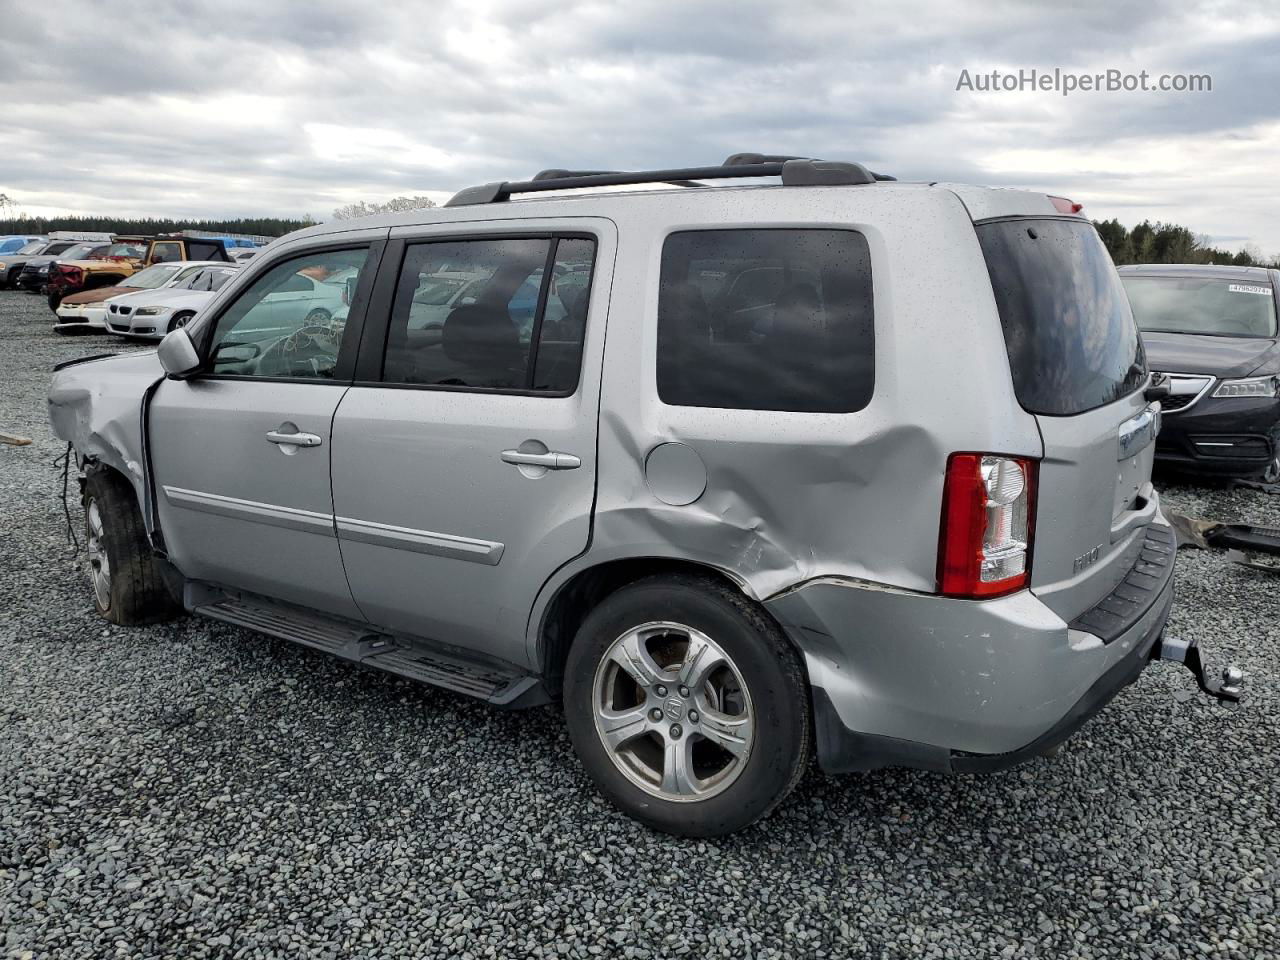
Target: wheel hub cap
673 712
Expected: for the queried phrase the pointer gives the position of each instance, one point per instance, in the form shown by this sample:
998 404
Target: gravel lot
196 790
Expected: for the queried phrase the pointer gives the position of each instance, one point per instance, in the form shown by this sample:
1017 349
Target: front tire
179 320
128 586
687 706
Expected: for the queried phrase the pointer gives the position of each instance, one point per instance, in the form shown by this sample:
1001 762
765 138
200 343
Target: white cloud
252 108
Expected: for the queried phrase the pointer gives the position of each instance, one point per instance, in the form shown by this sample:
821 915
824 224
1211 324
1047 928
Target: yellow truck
125 257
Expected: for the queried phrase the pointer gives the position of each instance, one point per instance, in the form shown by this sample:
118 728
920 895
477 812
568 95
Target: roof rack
738 159
794 171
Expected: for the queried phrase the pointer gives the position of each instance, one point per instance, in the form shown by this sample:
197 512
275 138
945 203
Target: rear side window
1072 342
487 314
766 320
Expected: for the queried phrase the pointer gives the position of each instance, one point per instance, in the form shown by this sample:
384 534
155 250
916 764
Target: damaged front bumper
76 318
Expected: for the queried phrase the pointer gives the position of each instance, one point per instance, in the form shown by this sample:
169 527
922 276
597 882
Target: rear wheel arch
574 600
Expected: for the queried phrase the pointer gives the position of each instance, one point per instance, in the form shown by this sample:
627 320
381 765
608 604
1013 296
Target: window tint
1071 339
166 252
272 330
1223 308
483 314
766 320
205 250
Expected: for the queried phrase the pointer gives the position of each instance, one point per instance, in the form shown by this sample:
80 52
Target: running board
403 656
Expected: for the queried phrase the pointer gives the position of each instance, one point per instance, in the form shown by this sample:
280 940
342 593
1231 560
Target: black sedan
1213 331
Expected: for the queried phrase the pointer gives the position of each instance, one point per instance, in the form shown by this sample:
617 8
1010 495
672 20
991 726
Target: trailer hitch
1228 687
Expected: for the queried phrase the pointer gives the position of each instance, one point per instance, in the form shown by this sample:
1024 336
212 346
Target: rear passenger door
464 456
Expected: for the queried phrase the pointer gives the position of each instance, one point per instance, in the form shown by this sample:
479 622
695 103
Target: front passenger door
240 452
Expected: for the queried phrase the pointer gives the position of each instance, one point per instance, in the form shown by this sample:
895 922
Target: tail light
1063 205
988 505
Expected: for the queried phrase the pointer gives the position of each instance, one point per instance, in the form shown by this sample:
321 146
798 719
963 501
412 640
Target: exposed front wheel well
585 591
97 280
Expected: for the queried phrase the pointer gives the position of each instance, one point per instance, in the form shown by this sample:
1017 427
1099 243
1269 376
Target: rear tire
719 732
128 586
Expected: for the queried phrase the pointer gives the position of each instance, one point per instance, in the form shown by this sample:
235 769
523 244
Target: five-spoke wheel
687 705
673 711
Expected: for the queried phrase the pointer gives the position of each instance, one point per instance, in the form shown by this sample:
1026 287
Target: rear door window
768 319
1072 342
484 314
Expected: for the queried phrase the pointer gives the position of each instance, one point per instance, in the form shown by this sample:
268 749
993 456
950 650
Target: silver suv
737 470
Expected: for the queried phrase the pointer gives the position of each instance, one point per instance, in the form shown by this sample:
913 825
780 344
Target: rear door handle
294 439
552 460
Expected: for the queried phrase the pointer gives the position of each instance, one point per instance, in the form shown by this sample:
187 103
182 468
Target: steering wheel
311 350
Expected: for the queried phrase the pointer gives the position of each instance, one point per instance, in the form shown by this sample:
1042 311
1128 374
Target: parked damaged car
88 310
1212 331
770 513
30 271
126 257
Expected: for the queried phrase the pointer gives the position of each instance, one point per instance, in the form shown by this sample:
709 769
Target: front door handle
551 460
294 439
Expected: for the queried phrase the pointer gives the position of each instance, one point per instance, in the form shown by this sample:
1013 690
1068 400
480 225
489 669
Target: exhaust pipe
1228 688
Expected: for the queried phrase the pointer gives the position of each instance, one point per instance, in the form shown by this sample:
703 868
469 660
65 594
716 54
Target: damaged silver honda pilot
738 470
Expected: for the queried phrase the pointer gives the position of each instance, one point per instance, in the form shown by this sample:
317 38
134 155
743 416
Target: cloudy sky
266 108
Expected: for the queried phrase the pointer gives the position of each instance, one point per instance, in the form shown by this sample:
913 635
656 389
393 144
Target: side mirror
178 354
1157 389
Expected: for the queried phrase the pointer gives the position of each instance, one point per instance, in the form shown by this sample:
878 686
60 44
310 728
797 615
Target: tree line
255 226
1170 243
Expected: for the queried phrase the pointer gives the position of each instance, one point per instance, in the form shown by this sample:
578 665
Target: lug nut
676 731
693 716
684 691
660 690
655 714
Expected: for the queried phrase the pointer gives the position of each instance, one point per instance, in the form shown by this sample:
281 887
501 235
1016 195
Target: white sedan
150 314
78 317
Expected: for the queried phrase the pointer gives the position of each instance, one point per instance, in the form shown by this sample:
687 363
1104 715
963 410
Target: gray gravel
196 790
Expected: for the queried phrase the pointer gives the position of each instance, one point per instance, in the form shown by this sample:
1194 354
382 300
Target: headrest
480 336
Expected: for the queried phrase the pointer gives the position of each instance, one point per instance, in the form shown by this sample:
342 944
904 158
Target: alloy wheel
673 711
99 564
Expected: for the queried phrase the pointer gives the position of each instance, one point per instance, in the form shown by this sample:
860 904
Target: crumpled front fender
97 406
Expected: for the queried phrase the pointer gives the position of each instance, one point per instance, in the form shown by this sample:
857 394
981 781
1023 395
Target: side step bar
404 656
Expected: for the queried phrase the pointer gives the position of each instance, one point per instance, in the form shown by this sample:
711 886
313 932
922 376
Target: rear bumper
1233 437
901 679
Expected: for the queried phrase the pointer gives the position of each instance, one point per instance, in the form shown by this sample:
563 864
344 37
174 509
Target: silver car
739 471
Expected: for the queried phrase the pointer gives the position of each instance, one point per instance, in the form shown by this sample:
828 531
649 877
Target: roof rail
737 159
794 171
556 174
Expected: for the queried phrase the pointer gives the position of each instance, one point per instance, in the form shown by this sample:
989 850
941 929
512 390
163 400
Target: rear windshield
1219 308
1072 342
